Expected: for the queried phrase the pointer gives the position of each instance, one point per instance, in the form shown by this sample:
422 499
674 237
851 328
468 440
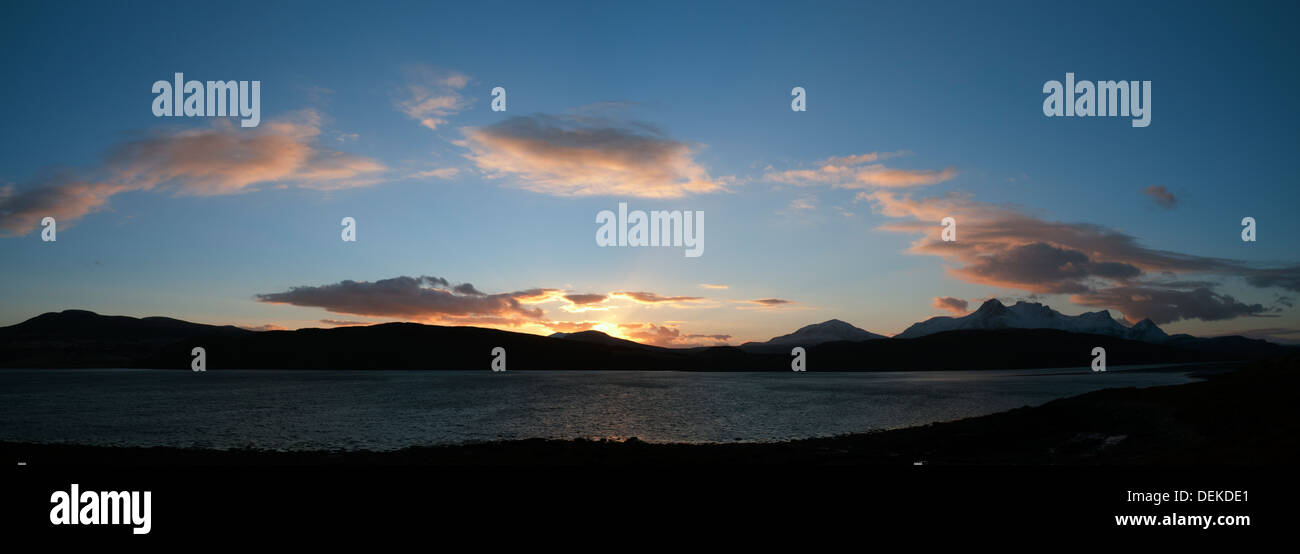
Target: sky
915 112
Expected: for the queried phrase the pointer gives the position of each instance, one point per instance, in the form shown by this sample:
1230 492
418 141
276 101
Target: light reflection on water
382 410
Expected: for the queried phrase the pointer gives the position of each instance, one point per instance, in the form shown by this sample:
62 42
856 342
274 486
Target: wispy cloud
442 173
267 327
859 172
432 96
1161 196
652 299
569 155
217 160
766 303
345 322
803 204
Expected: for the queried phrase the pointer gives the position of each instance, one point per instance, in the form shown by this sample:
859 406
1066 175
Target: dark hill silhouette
597 337
810 335
416 346
83 339
87 325
80 338
1004 349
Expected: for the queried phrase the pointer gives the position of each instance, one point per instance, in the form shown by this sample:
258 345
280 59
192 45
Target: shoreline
1232 417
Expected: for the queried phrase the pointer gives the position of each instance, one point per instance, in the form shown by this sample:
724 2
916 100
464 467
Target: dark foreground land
1244 417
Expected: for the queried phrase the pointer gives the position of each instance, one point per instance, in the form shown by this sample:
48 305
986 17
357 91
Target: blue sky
955 86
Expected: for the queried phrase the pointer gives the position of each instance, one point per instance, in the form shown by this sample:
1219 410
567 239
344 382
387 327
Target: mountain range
1025 335
993 314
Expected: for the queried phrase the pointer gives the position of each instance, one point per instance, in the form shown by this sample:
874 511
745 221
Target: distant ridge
87 325
1032 315
78 338
810 335
597 337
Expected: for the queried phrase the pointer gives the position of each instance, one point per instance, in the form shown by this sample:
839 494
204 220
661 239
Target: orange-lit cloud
215 160
861 171
435 300
61 196
668 335
652 299
267 327
223 159
1002 247
345 322
947 303
573 155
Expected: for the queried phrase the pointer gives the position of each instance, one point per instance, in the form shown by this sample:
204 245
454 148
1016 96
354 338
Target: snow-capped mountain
817 333
1032 315
1147 331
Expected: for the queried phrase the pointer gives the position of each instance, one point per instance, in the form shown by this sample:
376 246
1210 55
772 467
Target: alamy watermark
211 99
658 228
1100 99
73 507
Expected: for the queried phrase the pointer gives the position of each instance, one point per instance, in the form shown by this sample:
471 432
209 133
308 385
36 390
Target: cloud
413 298
1002 247
223 159
436 300
1041 267
572 326
765 304
713 286
467 289
955 305
267 327
433 96
441 173
1286 277
61 196
859 172
803 204
653 299
569 155
1168 305
581 299
668 335
216 160
585 302
1160 196
345 322
880 176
